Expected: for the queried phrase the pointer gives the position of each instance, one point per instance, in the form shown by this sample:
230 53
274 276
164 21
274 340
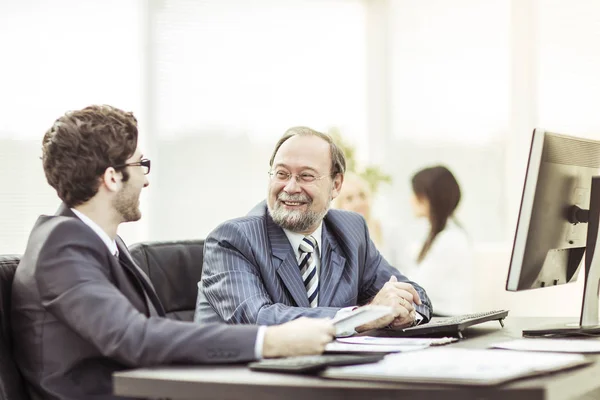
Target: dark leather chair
174 269
11 382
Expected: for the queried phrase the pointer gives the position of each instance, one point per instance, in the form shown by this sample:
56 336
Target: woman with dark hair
444 262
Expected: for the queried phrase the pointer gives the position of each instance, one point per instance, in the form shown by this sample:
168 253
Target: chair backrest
174 268
11 382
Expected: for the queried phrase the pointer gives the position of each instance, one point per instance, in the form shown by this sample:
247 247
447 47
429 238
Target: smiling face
127 200
297 206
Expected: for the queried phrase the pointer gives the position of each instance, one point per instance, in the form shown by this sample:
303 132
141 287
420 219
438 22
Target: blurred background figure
443 263
356 195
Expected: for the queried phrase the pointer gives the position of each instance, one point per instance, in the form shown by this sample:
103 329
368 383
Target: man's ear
111 179
337 185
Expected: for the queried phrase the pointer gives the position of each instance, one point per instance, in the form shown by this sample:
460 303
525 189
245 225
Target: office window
57 56
568 63
231 76
449 102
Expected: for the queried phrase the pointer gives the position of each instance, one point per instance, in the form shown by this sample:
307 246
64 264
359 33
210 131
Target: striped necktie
308 269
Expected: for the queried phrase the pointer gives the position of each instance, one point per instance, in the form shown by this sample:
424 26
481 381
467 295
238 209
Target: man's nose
146 181
292 185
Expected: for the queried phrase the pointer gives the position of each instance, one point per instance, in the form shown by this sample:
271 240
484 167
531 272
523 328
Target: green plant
371 173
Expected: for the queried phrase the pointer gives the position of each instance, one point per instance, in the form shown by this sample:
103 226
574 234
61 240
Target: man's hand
303 336
401 296
404 321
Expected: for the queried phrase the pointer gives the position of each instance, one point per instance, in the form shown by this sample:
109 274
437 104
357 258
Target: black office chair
11 382
174 269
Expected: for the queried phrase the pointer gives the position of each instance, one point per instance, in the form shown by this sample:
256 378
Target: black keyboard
310 364
446 326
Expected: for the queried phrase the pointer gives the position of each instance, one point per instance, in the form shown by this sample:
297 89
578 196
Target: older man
294 257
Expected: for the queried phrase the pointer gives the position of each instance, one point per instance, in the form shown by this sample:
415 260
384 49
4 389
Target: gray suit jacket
79 314
251 276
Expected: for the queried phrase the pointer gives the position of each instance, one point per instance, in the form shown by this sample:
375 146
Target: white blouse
447 271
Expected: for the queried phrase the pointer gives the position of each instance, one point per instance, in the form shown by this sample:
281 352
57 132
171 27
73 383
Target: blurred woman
444 263
356 196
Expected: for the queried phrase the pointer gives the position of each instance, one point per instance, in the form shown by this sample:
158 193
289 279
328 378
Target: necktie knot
308 244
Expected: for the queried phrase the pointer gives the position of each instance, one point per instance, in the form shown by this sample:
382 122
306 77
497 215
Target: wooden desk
237 382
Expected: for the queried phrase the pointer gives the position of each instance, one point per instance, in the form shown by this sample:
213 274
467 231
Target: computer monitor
558 224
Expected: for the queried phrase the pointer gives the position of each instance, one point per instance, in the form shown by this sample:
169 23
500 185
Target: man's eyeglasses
284 176
144 163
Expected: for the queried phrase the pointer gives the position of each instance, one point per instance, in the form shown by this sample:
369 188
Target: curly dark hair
82 144
338 160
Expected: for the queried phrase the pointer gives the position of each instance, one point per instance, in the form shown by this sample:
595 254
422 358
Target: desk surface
237 382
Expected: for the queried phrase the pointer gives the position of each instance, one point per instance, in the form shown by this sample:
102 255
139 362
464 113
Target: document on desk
372 344
349 321
340 347
591 345
458 366
394 341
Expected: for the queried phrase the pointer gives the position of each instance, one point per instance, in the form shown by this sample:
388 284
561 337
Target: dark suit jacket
250 273
79 314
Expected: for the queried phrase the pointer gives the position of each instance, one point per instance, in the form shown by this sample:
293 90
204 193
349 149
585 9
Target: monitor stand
588 322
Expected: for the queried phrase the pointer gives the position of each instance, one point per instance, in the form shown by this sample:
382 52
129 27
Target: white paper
348 322
591 345
393 341
458 366
339 347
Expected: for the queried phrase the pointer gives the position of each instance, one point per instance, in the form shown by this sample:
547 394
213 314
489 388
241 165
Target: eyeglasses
144 163
284 177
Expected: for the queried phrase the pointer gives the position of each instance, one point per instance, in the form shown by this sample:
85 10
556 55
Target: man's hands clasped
402 297
305 336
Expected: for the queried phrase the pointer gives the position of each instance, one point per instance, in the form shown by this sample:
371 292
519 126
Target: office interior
215 83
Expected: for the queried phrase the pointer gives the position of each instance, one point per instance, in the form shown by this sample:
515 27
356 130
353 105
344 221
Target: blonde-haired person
444 261
356 195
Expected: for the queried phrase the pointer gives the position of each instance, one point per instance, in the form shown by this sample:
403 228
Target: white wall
555 86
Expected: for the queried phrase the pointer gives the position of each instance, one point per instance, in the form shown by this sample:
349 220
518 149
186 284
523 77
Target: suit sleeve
378 271
74 281
232 283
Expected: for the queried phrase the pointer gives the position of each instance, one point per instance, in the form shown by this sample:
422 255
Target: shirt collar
295 238
111 244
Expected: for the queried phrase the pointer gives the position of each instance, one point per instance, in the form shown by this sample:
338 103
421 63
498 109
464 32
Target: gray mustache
299 197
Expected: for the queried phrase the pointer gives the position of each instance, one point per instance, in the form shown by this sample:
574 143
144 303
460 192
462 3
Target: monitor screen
552 230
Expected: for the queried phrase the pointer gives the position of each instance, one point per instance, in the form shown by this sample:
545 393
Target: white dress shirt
110 243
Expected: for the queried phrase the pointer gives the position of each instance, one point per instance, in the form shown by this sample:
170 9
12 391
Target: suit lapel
128 262
284 261
332 266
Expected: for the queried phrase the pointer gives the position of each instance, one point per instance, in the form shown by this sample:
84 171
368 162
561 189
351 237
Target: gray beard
297 221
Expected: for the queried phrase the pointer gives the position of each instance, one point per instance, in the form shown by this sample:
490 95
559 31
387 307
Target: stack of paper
458 366
591 345
371 344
